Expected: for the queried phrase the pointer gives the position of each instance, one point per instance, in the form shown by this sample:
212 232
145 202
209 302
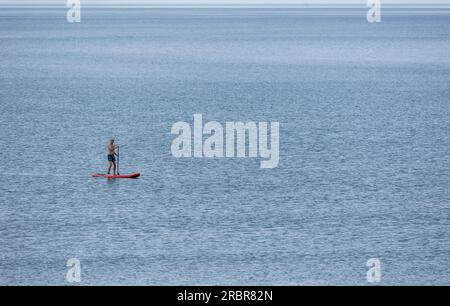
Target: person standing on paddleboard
112 156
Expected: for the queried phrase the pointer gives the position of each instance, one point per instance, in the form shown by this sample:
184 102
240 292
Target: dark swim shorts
111 158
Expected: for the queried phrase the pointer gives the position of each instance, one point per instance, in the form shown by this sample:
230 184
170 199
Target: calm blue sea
364 168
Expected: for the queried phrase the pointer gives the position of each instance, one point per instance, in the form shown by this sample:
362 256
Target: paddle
118 159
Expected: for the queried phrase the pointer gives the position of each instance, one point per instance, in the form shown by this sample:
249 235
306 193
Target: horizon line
321 5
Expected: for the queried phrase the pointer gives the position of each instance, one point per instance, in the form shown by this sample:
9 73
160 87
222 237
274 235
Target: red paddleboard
119 176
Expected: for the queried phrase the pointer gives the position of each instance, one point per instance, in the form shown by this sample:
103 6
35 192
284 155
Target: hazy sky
162 2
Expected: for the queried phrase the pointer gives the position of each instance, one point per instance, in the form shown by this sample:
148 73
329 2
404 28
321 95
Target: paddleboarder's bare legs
111 164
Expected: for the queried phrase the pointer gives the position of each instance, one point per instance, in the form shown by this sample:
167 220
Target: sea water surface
364 166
